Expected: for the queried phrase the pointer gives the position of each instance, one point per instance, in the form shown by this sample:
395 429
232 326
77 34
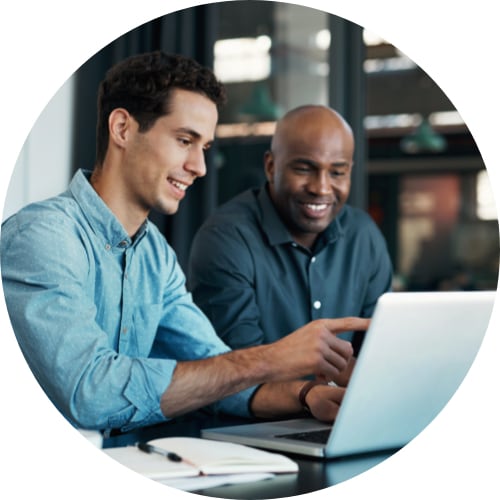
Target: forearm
198 383
311 350
277 399
270 399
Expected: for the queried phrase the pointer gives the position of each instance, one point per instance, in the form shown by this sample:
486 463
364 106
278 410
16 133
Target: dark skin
309 170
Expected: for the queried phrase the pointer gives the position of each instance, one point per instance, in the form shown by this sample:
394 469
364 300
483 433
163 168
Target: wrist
304 391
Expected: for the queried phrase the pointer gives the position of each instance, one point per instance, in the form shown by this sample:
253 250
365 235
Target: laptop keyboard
320 436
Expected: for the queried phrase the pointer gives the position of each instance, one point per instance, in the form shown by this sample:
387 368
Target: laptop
415 354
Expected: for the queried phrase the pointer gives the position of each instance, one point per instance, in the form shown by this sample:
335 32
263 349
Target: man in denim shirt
95 295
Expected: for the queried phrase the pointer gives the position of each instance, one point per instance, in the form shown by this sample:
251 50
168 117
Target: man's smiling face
309 171
160 164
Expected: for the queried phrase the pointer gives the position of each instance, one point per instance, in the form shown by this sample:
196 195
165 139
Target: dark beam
347 95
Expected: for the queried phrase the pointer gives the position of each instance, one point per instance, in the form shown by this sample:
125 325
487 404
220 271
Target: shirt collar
278 234
99 216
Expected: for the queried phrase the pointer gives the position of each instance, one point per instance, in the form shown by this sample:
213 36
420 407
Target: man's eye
184 141
301 168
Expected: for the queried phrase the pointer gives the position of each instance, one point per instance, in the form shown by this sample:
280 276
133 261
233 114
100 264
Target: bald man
276 258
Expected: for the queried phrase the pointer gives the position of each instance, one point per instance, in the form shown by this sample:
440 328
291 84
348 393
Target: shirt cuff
149 378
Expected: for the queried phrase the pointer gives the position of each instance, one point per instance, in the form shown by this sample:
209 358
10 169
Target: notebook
415 354
198 459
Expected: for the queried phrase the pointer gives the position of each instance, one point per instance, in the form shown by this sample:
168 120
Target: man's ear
119 124
269 166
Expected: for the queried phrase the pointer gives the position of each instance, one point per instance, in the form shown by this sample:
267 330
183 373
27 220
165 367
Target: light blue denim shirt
101 319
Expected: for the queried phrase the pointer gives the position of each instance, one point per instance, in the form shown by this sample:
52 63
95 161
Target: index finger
339 325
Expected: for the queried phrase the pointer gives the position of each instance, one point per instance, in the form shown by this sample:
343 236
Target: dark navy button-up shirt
256 284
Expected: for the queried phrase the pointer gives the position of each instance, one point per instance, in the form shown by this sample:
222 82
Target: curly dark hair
143 84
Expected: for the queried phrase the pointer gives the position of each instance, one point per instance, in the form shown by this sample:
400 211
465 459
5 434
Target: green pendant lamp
423 140
260 106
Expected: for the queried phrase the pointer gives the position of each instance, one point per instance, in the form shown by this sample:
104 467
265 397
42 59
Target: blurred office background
418 171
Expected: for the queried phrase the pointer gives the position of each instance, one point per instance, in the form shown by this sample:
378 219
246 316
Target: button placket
127 296
315 288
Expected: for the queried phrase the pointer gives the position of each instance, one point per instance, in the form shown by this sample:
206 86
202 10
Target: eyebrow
312 163
193 133
189 131
341 163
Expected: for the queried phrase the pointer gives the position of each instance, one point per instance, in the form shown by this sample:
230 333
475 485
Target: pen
169 455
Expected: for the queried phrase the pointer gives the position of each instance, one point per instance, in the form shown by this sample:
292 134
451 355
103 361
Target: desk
314 473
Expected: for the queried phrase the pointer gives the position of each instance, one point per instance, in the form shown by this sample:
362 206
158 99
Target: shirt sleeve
45 269
185 333
221 278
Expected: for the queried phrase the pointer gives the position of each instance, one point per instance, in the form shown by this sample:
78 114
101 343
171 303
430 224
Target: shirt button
124 330
317 304
313 260
123 243
107 246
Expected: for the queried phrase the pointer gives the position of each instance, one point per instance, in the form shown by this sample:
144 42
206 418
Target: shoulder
45 219
354 219
157 246
227 238
357 225
242 206
44 239
234 217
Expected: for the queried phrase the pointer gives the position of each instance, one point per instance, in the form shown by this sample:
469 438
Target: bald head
303 123
309 169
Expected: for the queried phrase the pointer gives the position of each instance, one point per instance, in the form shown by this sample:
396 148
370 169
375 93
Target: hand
324 401
314 349
342 379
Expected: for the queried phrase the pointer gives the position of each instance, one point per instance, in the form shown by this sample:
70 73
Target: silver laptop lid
416 353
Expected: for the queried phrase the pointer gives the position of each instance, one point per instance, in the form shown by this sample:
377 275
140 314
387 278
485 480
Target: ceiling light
260 106
423 140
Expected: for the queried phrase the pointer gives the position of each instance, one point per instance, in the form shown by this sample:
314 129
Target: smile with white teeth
178 185
316 207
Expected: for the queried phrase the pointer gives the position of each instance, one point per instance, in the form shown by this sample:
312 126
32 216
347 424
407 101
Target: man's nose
196 163
320 183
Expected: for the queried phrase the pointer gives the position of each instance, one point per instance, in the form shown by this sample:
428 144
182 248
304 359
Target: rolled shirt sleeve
46 274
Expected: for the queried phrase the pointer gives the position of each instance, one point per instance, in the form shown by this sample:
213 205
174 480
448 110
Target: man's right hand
315 349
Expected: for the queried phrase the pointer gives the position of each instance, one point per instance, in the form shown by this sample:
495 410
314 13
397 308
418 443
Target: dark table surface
314 473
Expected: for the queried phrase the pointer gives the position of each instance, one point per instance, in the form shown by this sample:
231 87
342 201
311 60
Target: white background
43 43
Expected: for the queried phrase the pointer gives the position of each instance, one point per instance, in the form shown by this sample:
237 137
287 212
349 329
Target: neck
113 195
